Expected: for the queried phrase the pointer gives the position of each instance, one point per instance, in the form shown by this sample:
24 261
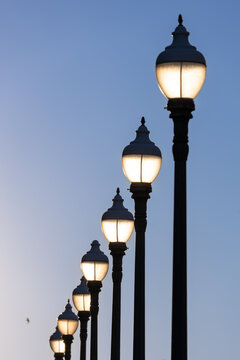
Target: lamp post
67 325
117 226
94 266
141 162
82 300
180 71
57 344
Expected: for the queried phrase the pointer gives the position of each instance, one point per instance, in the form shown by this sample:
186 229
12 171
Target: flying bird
27 320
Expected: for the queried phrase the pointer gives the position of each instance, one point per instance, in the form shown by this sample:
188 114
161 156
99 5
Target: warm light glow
117 230
82 302
94 270
141 168
180 79
57 346
67 327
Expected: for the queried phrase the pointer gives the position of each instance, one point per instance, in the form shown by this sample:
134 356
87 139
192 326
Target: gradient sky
75 79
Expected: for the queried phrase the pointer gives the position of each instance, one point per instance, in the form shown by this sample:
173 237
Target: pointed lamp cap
57 335
95 254
117 211
142 145
68 314
81 289
180 50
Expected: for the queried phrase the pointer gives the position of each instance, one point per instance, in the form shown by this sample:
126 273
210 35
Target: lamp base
181 104
140 188
58 356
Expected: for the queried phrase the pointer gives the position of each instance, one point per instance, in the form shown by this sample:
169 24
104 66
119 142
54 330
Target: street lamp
82 300
180 71
141 161
94 266
67 325
57 344
117 226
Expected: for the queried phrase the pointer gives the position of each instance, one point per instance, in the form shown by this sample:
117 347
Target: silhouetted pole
117 252
140 195
68 339
180 112
94 289
83 318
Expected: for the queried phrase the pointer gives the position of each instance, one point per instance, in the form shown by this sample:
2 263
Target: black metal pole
117 252
181 110
58 356
68 339
94 288
140 195
83 318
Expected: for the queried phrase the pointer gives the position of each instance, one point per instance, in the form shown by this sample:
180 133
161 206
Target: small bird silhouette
27 320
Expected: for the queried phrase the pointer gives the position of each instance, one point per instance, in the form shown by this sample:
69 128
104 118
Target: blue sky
75 79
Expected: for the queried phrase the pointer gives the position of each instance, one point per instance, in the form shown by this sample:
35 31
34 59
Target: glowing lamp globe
180 68
67 321
94 263
81 296
56 343
117 221
141 159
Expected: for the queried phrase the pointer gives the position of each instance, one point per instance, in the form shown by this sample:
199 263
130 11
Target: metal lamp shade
67 321
56 343
94 263
117 222
180 69
81 296
142 159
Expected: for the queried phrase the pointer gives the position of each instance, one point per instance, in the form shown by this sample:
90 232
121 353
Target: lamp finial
118 191
180 19
143 120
